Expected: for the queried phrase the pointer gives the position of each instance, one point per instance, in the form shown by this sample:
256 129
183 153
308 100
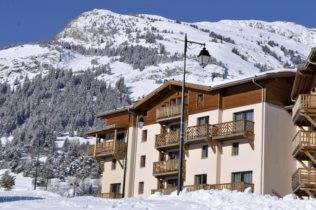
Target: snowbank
22 197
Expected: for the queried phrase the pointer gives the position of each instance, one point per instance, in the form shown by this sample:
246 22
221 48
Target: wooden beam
308 154
311 120
303 164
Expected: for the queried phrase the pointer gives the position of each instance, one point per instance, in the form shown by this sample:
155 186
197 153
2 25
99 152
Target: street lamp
204 57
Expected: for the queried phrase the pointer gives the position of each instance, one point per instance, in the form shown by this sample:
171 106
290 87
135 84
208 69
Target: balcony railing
305 104
233 129
168 112
302 180
239 186
165 168
303 140
108 148
199 132
111 195
167 140
164 191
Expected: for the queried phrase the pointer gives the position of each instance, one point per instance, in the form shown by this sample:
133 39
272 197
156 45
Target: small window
142 161
203 120
113 165
140 187
144 135
200 179
235 149
204 151
200 100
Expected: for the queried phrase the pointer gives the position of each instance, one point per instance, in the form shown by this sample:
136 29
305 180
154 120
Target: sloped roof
305 78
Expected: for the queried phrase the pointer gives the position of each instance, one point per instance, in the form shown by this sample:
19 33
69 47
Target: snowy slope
239 48
22 197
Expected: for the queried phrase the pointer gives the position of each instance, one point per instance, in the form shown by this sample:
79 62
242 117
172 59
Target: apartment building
304 116
237 136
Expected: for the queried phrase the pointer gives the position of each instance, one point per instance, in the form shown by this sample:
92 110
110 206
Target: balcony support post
308 154
311 120
95 145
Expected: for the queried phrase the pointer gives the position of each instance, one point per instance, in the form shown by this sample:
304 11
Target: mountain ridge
147 49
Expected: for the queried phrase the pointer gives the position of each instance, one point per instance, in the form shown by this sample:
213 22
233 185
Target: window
245 115
121 137
144 135
115 188
235 149
173 155
204 151
200 100
172 183
244 176
203 120
113 165
142 161
140 187
200 179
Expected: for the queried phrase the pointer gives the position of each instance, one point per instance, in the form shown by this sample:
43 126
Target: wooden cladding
121 119
166 112
238 186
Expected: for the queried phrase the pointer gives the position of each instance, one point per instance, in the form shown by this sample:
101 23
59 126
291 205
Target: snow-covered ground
22 197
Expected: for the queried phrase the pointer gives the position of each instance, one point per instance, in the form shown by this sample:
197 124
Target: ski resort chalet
254 133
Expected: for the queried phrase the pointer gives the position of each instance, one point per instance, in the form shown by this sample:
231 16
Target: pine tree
7 181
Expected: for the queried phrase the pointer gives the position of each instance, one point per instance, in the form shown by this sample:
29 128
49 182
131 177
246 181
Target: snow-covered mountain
147 49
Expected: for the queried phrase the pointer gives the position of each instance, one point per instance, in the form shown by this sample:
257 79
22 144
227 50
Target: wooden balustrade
168 112
164 191
304 110
167 140
111 195
233 129
108 148
239 186
304 182
164 168
197 133
303 143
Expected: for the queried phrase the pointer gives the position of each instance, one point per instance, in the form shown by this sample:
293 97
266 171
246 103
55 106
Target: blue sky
23 21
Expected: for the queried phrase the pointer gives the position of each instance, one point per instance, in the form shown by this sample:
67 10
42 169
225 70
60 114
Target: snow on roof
240 80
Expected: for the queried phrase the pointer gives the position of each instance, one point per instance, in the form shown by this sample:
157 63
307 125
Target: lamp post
204 58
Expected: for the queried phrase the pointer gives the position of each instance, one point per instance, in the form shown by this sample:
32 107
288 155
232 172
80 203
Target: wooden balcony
242 129
166 168
108 148
304 146
164 191
238 186
112 195
199 133
167 140
304 110
168 113
304 182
